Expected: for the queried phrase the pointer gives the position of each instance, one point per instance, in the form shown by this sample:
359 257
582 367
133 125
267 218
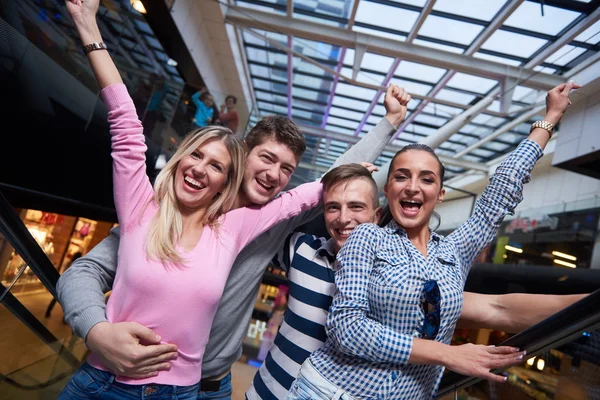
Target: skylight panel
454 96
354 91
471 83
528 16
565 55
338 129
338 112
376 62
450 30
386 16
438 46
513 43
590 35
422 72
375 32
350 103
484 10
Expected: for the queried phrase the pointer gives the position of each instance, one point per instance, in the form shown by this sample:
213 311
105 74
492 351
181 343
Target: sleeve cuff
115 95
87 319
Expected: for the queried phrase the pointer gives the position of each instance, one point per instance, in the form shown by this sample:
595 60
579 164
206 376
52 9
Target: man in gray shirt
275 146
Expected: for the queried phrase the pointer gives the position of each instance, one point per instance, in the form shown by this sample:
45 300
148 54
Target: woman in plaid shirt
400 287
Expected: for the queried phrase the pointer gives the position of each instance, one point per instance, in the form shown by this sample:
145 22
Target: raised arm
369 148
131 186
512 312
505 190
247 223
84 17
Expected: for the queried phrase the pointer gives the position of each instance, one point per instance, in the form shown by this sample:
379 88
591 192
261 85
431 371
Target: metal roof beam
391 48
317 132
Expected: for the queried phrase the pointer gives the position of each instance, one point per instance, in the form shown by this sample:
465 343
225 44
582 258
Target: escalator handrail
566 325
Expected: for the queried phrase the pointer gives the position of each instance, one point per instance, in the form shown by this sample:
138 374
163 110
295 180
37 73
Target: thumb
143 333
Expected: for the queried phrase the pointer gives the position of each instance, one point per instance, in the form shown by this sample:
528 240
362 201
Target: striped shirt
376 311
309 261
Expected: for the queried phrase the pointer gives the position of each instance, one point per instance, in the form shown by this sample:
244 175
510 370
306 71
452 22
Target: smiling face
269 167
347 205
413 188
201 175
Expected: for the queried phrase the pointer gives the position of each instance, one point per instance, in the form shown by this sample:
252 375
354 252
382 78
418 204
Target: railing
579 319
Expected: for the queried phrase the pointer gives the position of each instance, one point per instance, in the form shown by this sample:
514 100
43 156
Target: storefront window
61 237
560 240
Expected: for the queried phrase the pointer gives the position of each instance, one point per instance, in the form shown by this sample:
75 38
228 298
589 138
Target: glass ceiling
338 109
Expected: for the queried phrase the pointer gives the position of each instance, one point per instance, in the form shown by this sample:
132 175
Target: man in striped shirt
350 198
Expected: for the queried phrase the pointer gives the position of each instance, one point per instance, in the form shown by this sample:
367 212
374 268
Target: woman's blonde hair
166 226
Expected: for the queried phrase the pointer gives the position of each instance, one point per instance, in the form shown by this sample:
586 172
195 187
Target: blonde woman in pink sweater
178 242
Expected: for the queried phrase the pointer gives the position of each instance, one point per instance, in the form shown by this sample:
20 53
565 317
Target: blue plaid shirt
376 311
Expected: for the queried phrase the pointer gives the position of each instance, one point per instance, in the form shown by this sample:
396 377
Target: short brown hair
347 173
282 129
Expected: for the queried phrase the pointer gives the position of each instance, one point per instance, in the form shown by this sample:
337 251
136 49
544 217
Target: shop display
59 236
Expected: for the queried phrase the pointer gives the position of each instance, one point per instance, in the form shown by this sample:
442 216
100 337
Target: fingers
405 99
155 351
494 378
143 333
370 167
160 359
502 350
149 371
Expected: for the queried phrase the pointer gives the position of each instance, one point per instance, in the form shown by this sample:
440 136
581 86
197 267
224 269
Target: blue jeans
224 392
311 385
91 383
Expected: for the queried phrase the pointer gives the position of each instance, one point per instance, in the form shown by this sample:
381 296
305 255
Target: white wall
551 190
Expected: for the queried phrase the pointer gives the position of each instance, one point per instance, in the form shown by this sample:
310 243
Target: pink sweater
179 304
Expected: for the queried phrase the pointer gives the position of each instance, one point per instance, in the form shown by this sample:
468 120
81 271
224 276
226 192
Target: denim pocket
89 381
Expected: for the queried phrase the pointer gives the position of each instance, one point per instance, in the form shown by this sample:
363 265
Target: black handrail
562 327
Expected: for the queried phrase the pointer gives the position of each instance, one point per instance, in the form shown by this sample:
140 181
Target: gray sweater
82 286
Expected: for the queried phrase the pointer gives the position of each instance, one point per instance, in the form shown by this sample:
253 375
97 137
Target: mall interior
478 72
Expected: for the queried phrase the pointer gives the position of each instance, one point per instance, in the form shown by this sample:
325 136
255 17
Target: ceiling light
515 249
566 264
563 255
171 62
138 6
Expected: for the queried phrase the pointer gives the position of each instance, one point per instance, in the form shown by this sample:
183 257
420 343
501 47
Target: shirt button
394 375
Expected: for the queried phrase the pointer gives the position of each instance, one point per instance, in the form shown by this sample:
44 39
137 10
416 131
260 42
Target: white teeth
193 182
346 232
412 201
265 185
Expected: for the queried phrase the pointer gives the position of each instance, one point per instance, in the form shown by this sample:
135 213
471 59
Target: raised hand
371 167
557 101
477 360
81 9
395 102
